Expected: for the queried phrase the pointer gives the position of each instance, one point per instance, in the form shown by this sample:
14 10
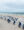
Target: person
14 22
23 26
8 20
19 25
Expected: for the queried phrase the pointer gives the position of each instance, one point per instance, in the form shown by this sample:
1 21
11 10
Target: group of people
9 18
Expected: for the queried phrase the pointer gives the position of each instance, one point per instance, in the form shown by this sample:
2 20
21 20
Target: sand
4 25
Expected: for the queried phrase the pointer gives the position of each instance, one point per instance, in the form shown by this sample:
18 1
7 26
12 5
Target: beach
4 25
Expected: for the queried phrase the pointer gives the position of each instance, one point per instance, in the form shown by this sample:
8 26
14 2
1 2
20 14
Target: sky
11 5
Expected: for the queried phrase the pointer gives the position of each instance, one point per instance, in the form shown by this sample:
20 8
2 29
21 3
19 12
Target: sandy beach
4 25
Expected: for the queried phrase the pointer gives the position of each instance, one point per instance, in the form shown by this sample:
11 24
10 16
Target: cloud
12 5
8 6
20 4
6 1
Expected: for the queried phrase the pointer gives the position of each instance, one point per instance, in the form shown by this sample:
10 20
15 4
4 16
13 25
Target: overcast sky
11 5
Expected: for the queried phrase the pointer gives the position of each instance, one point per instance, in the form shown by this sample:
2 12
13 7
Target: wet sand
4 25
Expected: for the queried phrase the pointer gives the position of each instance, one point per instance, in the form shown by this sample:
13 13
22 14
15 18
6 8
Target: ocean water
21 13
15 13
